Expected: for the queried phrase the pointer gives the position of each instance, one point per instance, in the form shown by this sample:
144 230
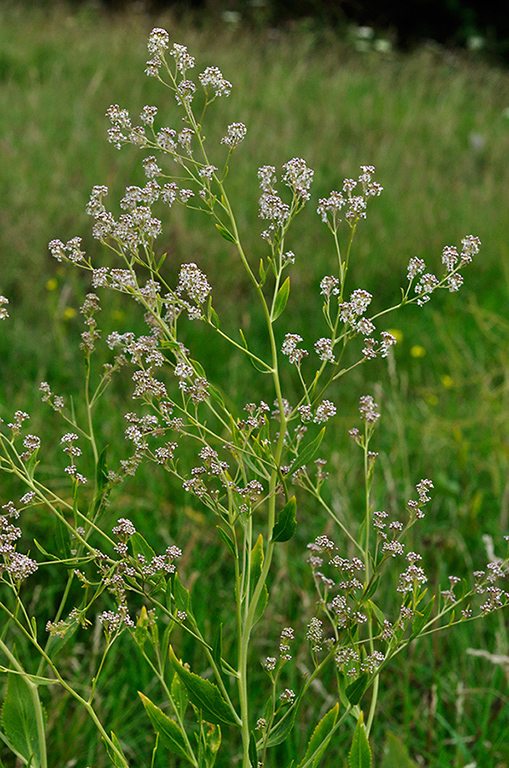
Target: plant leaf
396 754
115 759
141 547
360 752
281 299
182 596
224 233
19 719
257 557
179 695
286 524
308 452
204 695
422 618
217 647
253 754
355 690
320 738
170 733
226 540
285 726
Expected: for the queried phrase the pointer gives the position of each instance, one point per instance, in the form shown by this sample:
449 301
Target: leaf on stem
422 618
226 539
355 690
225 234
179 695
19 719
360 752
320 738
286 524
181 595
217 647
285 726
257 558
170 733
308 452
205 695
281 299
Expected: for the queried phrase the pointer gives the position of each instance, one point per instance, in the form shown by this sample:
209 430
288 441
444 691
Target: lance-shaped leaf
205 695
21 720
355 690
179 695
320 738
422 618
281 299
360 752
141 547
285 726
257 558
170 733
115 754
308 452
286 524
224 233
182 596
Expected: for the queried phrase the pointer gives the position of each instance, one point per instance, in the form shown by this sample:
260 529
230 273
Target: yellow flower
447 381
51 284
69 313
417 351
398 335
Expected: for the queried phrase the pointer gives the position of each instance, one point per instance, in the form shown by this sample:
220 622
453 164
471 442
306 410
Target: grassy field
436 126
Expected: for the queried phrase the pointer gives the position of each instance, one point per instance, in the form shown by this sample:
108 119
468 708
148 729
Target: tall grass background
436 126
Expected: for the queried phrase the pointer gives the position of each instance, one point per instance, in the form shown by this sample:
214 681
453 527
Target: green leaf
63 544
57 642
114 756
253 753
396 754
287 522
141 547
371 589
179 695
170 733
285 726
422 619
224 233
31 464
20 720
308 452
355 690
262 273
281 299
205 695
257 558
182 596
360 752
217 646
212 744
213 317
320 738
101 472
141 631
226 540
380 617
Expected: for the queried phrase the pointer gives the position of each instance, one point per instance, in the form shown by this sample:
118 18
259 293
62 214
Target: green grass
445 415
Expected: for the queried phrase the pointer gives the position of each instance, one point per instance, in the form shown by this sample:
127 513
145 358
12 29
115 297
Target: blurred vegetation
436 126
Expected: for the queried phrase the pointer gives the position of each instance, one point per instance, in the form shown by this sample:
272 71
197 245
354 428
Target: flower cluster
355 204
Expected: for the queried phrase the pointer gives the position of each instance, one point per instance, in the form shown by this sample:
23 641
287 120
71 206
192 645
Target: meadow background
435 123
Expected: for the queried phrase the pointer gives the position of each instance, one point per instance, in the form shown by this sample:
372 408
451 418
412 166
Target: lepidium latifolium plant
253 463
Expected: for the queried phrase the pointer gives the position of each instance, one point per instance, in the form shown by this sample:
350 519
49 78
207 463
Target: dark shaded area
469 23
